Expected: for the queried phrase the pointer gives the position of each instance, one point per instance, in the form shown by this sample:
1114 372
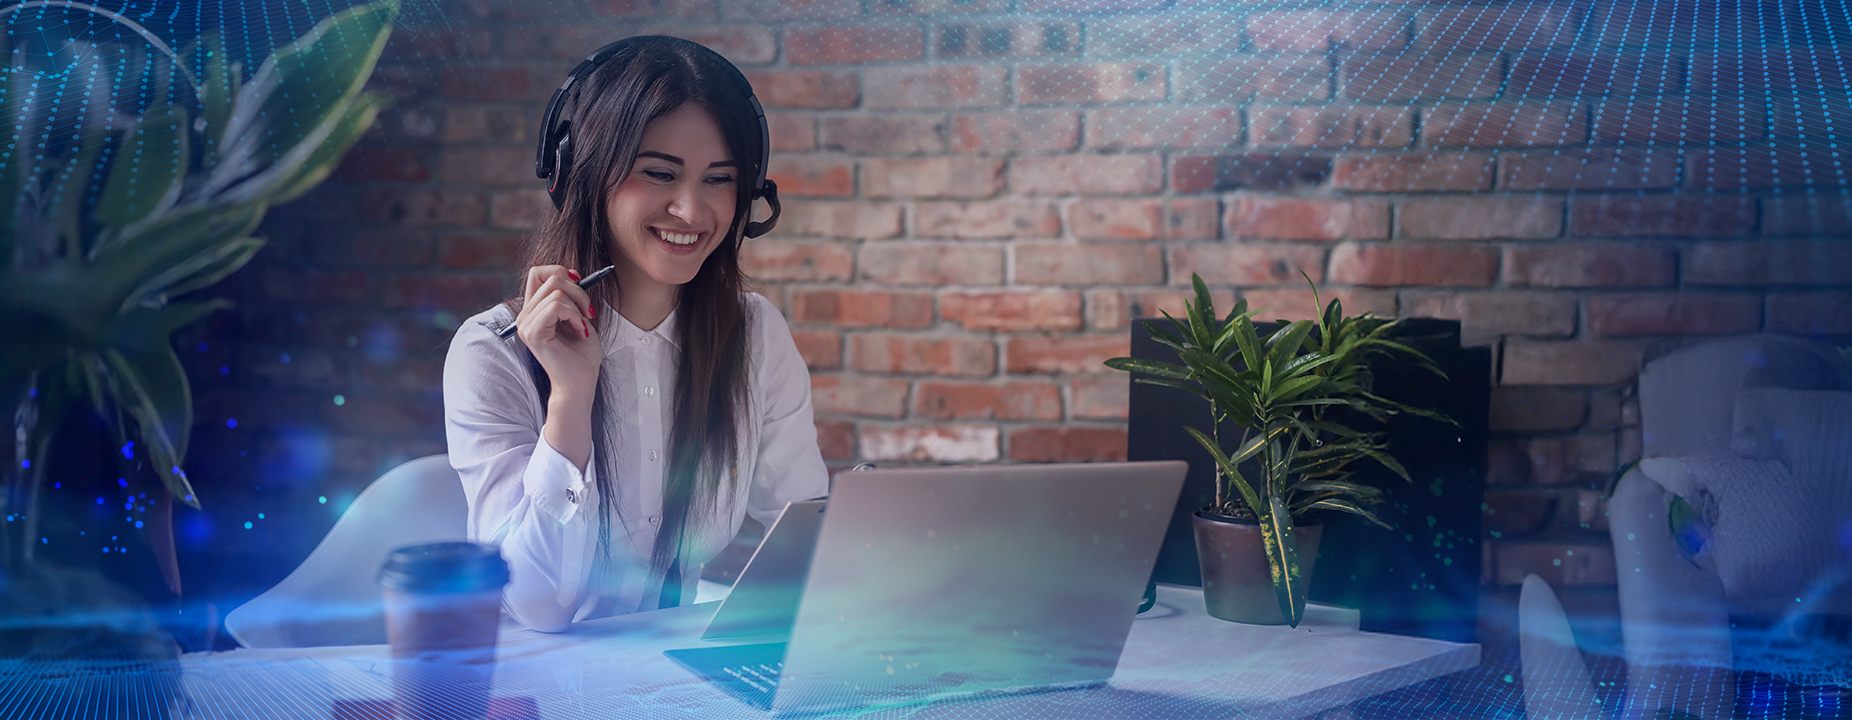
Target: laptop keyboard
749 672
762 677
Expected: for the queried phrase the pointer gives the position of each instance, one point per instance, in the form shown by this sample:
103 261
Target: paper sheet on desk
253 683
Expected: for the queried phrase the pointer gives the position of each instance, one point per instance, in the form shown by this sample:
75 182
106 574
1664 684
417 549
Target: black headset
553 157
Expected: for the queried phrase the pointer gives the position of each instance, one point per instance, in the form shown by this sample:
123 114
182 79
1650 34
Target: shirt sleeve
790 465
523 495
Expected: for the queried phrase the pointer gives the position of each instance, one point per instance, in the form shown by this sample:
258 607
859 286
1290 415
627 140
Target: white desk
1178 663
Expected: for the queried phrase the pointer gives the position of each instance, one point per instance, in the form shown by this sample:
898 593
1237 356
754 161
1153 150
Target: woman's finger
559 306
577 295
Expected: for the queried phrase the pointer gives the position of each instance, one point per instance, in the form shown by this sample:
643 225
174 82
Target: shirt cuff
557 488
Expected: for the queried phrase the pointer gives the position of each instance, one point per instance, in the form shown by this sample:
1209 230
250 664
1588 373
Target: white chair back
334 597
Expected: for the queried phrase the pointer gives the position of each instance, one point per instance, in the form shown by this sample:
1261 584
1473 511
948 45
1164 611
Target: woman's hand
556 323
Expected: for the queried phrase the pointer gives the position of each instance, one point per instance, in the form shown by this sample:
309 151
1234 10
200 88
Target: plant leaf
223 262
1202 314
1150 367
1284 344
149 168
1231 474
353 122
1349 507
1276 533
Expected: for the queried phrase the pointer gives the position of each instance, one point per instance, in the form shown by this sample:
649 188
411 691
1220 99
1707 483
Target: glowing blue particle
224 369
138 523
339 400
44 541
99 501
323 499
231 422
260 516
284 358
122 482
34 392
57 485
247 524
25 463
128 450
202 347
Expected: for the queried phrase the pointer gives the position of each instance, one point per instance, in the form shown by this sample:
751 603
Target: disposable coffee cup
443 611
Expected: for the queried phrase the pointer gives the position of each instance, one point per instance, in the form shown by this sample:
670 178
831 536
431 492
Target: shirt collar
617 331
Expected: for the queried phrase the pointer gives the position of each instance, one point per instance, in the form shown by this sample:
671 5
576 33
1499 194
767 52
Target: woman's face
673 207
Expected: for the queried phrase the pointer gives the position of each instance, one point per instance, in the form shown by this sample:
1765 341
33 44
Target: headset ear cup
770 193
562 160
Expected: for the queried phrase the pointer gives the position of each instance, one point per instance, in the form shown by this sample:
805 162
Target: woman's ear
755 229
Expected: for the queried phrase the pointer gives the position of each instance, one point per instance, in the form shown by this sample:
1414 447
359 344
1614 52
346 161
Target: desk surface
1178 663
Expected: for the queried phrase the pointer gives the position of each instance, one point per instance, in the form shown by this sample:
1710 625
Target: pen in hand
587 282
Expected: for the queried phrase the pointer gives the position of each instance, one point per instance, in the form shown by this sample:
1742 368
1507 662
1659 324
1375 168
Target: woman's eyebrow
678 161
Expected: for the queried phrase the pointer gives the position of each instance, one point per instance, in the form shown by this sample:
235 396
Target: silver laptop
929 583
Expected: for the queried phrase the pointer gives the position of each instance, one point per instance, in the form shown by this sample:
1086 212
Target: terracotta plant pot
1237 584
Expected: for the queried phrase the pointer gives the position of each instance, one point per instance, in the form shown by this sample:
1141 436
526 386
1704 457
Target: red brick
1506 462
1137 174
386 164
805 88
1101 82
1312 30
1297 303
1114 309
1284 218
1241 264
1518 513
784 261
680 9
836 440
1142 219
1480 218
1495 313
931 264
468 123
1327 126
1662 215
1088 264
748 45
1065 353
1814 313
944 86
1581 565
1067 444
1400 264
499 166
519 209
1812 118
1674 314
307 369
1698 123
1588 265
938 177
1766 167
764 10
852 44
1093 6
1653 24
999 219
472 82
939 443
1245 77
822 350
407 373
862 308
496 251
1496 27
439 291
336 246
390 416
913 355
1420 76
1017 131
1007 401
1145 127
814 175
849 220
1169 33
1797 69
858 395
1286 170
1603 362
993 39
938 7
1564 74
1537 409
1099 398
885 134
423 208
1824 215
561 42
1595 169
1412 171
1768 262
1504 124
1012 310
792 132
446 43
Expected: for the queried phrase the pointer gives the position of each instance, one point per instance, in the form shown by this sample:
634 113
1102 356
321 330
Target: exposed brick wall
981 193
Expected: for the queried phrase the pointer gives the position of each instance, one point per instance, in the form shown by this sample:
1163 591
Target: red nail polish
574 274
594 311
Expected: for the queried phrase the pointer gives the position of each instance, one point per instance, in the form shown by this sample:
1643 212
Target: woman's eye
720 179
658 175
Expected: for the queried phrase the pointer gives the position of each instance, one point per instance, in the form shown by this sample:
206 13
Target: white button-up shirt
542 511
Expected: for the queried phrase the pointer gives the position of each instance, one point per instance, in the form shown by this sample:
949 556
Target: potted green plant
1282 394
109 234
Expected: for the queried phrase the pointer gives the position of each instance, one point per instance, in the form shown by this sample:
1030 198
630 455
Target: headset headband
553 153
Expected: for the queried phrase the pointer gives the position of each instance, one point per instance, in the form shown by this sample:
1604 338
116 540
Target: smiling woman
615 443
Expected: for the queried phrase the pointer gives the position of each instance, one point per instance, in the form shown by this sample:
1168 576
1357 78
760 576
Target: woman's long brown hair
644 81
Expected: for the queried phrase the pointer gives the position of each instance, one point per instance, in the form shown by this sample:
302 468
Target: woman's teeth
678 238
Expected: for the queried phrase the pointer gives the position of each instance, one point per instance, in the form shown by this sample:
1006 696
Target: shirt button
652 454
655 519
651 390
645 339
572 497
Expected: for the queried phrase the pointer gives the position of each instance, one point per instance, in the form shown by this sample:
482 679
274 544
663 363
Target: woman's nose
684 203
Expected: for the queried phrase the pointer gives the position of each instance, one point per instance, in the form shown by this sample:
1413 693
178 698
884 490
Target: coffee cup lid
445 567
